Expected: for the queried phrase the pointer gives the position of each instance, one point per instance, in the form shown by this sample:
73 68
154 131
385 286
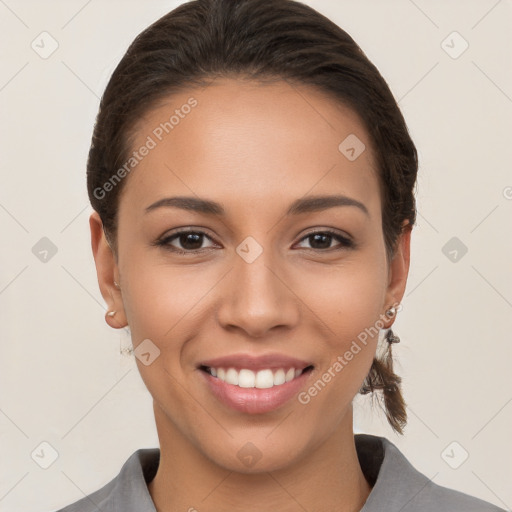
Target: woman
252 179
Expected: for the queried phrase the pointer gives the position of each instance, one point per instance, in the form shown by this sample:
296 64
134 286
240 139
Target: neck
327 479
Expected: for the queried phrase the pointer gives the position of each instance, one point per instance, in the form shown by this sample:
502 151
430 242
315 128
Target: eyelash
345 243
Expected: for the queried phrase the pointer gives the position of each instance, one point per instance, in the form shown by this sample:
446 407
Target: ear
399 268
107 271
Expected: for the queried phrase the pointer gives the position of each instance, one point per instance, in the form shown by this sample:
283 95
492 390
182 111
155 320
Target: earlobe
106 271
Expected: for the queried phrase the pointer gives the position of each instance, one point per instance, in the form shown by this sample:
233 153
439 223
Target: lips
255 385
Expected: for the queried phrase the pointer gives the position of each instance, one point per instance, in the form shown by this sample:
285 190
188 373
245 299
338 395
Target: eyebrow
303 205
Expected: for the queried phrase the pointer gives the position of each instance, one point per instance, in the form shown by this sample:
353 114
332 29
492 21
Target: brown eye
185 242
190 241
322 240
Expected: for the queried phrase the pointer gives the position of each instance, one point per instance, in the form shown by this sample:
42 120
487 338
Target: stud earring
391 312
116 284
111 313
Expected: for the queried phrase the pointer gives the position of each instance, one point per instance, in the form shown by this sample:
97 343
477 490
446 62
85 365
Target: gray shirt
396 485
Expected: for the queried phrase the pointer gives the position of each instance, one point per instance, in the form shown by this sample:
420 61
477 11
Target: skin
255 149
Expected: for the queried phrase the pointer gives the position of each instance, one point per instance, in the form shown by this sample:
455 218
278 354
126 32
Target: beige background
62 378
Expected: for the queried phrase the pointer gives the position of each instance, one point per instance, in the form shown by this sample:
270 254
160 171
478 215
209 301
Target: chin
257 456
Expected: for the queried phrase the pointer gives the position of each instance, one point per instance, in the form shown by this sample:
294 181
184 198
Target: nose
258 297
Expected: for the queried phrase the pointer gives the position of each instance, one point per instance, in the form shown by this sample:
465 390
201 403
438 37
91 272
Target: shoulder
127 491
437 497
400 486
98 500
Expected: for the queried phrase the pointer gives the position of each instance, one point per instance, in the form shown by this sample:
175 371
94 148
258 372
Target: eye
322 240
189 242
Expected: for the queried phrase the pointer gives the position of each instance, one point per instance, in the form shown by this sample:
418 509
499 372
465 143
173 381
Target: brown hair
257 39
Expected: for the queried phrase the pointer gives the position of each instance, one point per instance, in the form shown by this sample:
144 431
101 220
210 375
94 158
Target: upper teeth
248 379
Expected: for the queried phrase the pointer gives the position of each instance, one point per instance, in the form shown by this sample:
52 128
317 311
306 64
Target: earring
391 337
391 312
116 285
111 313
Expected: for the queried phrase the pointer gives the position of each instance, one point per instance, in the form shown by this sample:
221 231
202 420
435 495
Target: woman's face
256 290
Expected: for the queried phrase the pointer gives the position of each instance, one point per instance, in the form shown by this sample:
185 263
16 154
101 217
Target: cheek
160 299
349 304
347 298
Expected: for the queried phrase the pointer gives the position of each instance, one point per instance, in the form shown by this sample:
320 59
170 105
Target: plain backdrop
63 381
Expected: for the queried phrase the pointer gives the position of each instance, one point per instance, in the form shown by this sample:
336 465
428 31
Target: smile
255 384
262 379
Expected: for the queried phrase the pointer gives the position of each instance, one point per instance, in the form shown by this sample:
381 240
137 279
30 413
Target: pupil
321 237
196 239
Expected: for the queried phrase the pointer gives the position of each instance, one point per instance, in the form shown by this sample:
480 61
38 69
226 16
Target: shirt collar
395 482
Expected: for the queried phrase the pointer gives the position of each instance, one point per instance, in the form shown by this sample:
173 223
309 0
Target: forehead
251 143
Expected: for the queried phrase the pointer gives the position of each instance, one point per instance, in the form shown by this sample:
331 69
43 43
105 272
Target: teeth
264 379
232 377
279 377
248 379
